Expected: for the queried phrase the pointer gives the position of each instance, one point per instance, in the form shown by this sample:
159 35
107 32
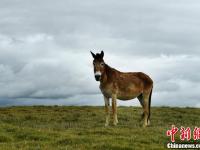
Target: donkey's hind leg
141 100
146 109
114 109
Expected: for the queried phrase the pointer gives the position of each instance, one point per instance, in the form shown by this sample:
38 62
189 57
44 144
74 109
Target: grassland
82 128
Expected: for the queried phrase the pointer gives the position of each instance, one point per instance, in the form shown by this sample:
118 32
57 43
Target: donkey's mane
110 71
108 68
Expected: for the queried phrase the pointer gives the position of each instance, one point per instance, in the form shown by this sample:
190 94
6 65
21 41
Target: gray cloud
45 59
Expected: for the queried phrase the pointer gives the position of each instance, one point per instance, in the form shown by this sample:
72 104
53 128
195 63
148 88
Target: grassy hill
74 128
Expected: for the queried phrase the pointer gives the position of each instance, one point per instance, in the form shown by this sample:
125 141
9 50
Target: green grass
82 128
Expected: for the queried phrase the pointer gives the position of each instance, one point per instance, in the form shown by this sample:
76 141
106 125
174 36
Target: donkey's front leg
107 110
114 109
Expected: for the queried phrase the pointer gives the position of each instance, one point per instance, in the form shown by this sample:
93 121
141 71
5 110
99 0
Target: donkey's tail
150 105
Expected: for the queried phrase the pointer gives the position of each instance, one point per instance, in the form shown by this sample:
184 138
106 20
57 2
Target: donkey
123 86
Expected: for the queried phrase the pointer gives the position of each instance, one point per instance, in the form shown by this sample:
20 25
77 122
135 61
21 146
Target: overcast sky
45 58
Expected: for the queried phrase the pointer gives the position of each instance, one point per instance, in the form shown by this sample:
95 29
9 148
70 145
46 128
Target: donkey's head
99 65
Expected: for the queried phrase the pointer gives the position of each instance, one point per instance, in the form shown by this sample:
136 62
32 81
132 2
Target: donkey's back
129 85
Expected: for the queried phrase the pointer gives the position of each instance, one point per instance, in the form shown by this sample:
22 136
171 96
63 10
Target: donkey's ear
102 54
93 55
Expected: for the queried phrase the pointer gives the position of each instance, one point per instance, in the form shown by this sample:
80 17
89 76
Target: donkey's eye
102 64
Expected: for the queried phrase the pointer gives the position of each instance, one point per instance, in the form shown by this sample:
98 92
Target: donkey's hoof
106 124
115 123
148 124
144 125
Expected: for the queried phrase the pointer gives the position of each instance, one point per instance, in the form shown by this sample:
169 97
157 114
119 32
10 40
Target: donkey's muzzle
97 77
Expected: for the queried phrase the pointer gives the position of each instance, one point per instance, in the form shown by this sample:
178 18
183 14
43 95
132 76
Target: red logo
196 133
185 133
172 132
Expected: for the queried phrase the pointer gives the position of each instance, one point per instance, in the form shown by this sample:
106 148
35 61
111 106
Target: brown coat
123 86
126 86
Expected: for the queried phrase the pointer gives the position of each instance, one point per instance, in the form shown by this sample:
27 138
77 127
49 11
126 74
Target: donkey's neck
107 75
